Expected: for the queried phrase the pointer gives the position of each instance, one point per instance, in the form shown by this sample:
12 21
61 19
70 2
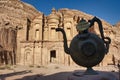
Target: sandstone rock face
15 12
116 40
36 39
14 15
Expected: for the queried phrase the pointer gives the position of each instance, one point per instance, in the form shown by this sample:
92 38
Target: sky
108 10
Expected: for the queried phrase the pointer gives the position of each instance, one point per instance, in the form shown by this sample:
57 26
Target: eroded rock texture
31 38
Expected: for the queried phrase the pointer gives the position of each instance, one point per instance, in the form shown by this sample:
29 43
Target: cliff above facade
15 12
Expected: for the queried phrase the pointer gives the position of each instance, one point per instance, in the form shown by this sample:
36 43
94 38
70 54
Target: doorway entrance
52 56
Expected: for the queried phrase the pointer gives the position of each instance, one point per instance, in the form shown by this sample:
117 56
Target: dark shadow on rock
3 76
65 76
56 76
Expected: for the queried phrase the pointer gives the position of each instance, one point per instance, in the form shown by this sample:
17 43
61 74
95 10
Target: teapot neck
85 31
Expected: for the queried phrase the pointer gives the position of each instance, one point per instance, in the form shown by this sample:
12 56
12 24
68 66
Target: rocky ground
49 72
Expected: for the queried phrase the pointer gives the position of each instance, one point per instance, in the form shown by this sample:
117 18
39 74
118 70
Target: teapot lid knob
82 25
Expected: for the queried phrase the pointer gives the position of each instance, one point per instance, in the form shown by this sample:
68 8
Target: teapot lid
82 25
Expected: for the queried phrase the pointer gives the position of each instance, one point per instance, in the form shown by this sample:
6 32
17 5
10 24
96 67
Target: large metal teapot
87 49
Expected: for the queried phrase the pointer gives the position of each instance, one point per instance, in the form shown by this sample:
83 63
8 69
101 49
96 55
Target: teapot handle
106 40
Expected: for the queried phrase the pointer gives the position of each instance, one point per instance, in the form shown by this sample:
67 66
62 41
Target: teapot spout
66 49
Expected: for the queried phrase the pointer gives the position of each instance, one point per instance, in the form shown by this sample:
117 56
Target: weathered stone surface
116 40
37 41
16 12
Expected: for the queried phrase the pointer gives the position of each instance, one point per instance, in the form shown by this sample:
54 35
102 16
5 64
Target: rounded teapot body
87 50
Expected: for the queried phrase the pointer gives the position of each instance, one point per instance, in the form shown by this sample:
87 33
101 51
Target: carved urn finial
82 25
53 10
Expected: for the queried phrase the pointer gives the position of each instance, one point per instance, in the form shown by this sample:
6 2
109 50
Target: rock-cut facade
37 42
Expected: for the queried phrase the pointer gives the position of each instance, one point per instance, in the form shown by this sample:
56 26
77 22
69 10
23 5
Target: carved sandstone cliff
116 40
15 13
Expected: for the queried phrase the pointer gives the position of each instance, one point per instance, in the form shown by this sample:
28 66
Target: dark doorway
52 56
